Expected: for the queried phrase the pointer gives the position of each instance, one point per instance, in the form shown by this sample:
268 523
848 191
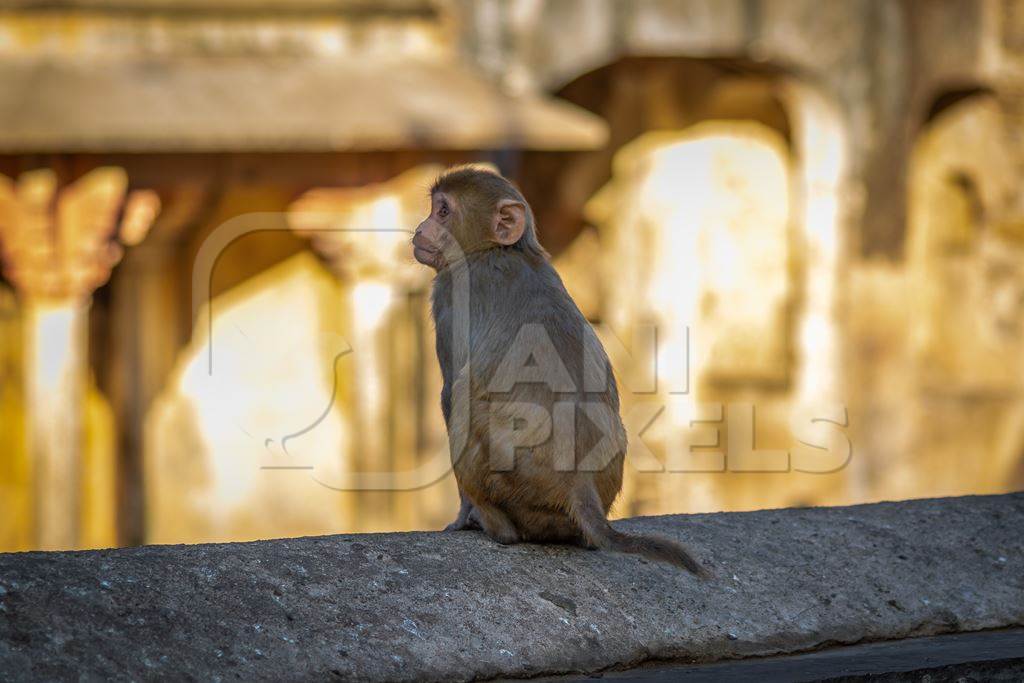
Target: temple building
797 227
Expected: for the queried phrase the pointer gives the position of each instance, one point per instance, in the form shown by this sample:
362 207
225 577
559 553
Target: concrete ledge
457 607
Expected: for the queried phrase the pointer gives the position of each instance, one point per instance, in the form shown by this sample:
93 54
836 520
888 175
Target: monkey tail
588 512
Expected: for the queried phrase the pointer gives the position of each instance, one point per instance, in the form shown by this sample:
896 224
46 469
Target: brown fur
514 291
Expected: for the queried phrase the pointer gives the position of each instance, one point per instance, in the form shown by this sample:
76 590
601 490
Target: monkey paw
470 523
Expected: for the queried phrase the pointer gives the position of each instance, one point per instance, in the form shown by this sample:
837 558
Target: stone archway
776 350
964 272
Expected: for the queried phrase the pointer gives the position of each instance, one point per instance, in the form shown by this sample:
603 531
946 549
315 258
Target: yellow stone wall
99 473
696 236
937 342
15 481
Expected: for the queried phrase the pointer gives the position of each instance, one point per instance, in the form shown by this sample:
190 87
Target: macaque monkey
529 399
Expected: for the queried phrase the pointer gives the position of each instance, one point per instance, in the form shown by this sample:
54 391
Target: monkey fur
520 483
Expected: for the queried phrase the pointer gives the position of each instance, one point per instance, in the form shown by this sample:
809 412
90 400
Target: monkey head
472 211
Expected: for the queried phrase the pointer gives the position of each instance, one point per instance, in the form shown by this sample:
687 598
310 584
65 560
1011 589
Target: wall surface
455 606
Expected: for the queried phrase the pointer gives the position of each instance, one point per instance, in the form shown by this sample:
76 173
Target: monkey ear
509 222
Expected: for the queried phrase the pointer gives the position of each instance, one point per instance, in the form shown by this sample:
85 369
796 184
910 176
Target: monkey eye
443 211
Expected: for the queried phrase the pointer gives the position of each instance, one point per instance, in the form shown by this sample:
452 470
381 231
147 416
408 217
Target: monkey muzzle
427 251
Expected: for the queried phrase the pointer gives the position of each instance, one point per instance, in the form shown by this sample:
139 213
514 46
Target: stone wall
883 64
456 606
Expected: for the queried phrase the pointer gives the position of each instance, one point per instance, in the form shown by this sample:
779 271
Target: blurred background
210 317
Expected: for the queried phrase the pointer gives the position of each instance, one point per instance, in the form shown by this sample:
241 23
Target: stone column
363 234
694 226
58 246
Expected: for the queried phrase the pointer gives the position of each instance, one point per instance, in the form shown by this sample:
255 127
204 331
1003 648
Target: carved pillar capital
364 232
60 244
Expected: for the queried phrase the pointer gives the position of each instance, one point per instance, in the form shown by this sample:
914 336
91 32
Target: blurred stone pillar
363 234
58 246
55 337
694 233
1004 62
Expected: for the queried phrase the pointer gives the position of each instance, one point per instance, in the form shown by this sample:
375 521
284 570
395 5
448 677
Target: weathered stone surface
457 607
